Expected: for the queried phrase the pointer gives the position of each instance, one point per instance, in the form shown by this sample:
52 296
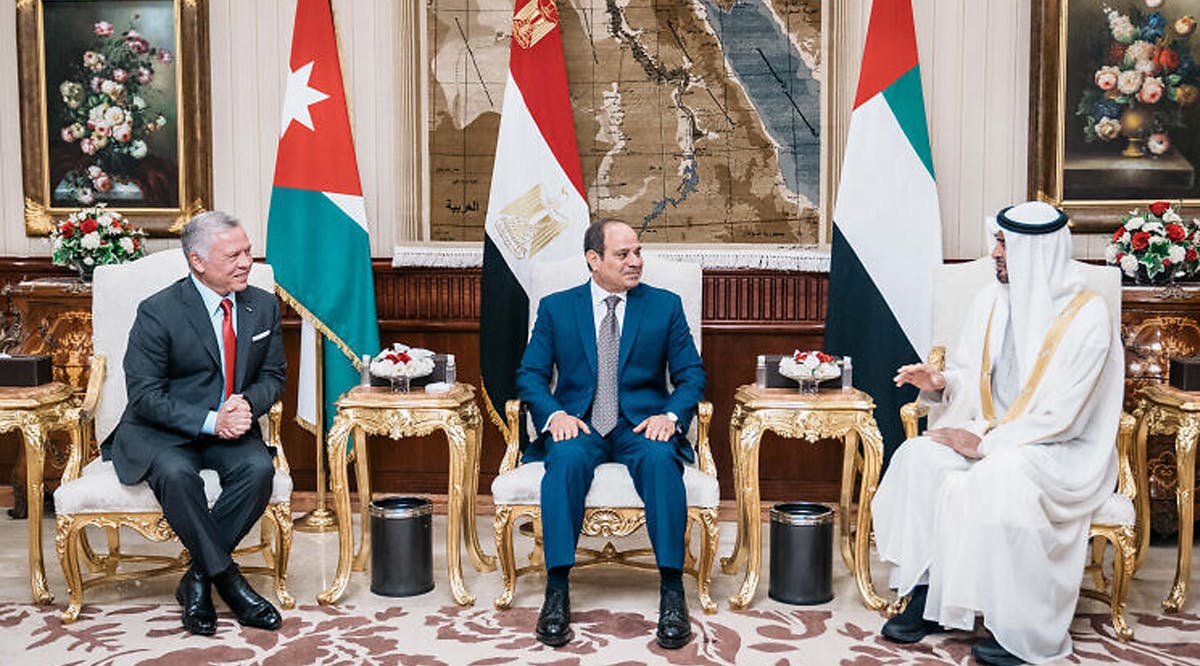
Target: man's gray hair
198 232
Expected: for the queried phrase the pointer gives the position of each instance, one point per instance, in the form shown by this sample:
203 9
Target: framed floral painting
114 98
1114 107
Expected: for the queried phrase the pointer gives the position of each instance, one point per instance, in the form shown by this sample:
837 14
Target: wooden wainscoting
744 313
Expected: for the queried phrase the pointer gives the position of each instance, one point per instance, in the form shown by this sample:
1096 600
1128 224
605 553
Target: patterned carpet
615 611
311 634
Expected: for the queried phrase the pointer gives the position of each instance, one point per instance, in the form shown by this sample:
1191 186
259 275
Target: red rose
87 226
66 229
1118 234
1168 59
1166 262
1191 254
1140 240
1120 255
1176 232
404 357
1159 207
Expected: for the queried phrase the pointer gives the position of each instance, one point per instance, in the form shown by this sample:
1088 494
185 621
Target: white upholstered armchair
612 507
91 494
1123 517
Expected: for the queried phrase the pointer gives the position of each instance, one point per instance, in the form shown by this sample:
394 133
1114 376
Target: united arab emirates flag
537 208
887 237
317 238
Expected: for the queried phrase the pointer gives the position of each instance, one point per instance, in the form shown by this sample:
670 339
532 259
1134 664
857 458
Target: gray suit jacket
173 372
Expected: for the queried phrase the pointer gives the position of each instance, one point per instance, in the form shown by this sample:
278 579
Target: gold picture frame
1092 175
137 133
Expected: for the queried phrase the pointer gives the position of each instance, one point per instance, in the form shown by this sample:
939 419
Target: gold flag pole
321 518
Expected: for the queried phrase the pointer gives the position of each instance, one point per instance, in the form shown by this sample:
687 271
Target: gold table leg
749 519
362 475
730 565
1185 462
33 432
872 447
339 488
459 456
474 428
846 500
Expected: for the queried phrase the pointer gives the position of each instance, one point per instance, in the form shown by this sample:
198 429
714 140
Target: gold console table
379 411
845 415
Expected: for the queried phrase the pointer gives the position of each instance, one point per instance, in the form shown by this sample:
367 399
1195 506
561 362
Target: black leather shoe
248 606
674 627
988 651
911 625
554 622
194 593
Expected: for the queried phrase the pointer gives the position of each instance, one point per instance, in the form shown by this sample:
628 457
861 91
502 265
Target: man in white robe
988 511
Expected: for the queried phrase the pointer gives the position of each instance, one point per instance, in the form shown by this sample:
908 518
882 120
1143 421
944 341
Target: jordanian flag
317 237
887 237
537 209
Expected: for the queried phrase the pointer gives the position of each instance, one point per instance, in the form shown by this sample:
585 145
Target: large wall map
697 120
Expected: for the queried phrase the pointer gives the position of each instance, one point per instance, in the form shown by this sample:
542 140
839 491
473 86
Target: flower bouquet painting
400 364
95 236
111 108
809 369
1143 78
1156 246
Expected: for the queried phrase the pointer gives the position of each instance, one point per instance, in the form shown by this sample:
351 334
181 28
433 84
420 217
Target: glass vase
808 385
400 384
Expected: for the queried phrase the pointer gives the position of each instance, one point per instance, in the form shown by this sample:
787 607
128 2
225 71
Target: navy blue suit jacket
654 339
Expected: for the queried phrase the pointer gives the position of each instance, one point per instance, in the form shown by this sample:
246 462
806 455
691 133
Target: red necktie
230 341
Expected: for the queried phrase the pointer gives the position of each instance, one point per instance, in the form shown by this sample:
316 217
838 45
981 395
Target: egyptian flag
317 238
537 209
887 237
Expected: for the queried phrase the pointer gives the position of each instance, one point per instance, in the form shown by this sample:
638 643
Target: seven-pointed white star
299 97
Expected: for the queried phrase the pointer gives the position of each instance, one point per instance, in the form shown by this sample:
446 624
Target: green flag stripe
908 105
328 250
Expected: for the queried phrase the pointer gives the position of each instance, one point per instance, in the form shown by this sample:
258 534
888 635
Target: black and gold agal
1033 218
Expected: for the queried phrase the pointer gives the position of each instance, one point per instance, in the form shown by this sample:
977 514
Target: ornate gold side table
845 415
1163 409
379 411
36 411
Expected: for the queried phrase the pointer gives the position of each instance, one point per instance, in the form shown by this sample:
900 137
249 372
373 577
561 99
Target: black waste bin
401 546
801 553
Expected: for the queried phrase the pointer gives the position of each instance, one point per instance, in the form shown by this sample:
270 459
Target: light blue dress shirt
212 305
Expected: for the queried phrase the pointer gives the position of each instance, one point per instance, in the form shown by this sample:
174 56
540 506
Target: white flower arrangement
402 361
809 365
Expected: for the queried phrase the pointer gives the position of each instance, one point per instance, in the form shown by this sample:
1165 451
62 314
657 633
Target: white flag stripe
887 210
306 390
353 206
523 160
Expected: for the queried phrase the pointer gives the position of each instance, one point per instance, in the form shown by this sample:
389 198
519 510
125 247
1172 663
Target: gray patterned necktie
608 345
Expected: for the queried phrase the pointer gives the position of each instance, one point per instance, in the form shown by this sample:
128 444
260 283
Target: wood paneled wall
974 66
744 313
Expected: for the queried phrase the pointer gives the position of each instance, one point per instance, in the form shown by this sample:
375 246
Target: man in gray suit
204 361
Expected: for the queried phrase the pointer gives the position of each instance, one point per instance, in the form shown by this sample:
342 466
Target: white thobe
1006 535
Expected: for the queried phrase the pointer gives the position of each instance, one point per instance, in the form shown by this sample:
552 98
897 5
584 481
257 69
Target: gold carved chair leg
281 515
502 529
710 534
66 542
1099 547
1124 541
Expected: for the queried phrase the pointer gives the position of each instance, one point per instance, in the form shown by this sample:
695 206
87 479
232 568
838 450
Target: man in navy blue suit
613 341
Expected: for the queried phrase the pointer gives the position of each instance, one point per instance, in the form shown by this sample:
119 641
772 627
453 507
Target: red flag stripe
330 143
891 48
541 74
